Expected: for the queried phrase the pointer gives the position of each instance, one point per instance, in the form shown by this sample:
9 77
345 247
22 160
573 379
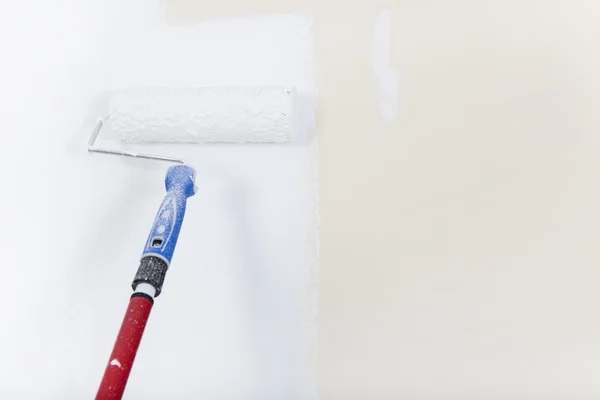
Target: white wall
459 243
234 317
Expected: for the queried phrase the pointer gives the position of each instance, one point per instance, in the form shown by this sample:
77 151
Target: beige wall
459 245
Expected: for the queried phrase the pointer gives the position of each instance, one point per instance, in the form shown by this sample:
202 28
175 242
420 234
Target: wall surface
459 232
236 319
458 156
459 243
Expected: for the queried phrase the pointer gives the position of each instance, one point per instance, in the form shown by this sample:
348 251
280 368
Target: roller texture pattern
203 115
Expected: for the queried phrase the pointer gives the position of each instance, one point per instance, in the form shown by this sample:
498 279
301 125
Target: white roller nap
203 115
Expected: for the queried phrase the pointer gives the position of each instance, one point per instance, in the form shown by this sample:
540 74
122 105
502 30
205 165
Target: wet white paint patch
235 319
387 77
241 272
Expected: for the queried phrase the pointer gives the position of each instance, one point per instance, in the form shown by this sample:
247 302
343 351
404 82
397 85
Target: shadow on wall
266 314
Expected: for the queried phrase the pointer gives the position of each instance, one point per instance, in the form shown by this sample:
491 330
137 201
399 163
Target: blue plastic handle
167 224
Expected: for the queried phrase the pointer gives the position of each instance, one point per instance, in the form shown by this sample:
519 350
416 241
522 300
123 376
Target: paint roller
181 115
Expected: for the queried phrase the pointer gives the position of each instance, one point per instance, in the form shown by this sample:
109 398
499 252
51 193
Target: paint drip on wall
387 77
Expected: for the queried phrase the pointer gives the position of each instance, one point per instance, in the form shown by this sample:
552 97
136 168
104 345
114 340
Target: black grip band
144 295
152 270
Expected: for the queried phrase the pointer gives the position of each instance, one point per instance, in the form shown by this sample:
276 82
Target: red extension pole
125 348
148 281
